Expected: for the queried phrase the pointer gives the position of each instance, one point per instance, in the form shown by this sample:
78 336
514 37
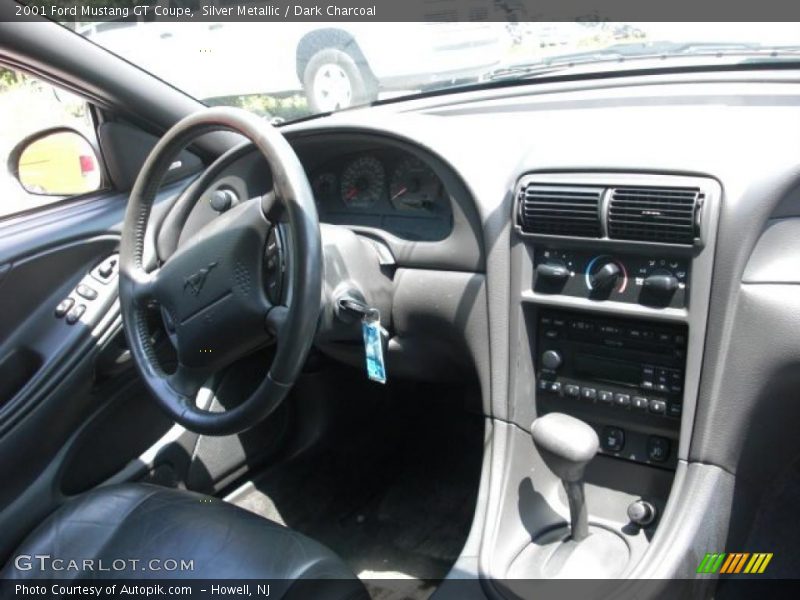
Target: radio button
657 448
623 400
658 407
555 387
551 334
572 390
605 396
588 393
639 403
613 439
647 385
675 409
544 385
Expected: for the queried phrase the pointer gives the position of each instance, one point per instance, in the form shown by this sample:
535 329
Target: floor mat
394 497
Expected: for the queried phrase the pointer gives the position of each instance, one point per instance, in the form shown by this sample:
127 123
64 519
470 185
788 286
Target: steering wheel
211 290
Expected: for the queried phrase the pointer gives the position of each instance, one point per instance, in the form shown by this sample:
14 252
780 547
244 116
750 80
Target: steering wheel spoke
144 287
187 381
272 207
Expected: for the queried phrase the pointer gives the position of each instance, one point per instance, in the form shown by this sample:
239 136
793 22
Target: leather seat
145 522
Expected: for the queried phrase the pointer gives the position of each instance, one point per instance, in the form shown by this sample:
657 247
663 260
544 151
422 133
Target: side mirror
55 162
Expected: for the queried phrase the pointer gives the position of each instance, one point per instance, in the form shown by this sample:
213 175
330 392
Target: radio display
597 368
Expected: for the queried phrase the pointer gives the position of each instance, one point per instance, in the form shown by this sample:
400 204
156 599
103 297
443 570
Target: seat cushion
144 523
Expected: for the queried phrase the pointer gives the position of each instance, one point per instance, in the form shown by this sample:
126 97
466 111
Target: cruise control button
658 406
639 403
63 307
86 292
623 400
657 448
613 439
605 396
75 314
588 393
572 390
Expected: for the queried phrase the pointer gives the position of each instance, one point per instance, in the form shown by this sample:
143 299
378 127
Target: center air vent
653 214
560 210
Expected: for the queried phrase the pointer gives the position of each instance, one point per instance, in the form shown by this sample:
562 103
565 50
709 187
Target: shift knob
566 445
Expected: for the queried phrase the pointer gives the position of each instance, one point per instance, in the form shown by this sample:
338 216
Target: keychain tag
373 345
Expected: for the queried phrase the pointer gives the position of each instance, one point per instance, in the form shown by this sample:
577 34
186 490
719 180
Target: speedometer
363 182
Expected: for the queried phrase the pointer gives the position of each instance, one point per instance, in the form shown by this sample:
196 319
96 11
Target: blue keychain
373 345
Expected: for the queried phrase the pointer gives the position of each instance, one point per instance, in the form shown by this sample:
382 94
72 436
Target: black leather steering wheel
211 290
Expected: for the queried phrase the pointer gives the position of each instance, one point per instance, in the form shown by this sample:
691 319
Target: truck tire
333 80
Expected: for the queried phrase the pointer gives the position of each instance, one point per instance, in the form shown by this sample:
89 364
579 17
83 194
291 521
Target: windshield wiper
621 53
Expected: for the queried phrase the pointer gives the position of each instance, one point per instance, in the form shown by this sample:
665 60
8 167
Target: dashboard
588 258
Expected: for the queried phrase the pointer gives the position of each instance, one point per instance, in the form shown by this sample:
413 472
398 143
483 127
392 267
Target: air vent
560 210
650 214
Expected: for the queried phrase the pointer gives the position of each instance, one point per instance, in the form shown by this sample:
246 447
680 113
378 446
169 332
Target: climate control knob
551 360
605 277
553 270
660 282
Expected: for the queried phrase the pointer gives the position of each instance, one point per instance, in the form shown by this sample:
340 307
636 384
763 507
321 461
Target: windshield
290 70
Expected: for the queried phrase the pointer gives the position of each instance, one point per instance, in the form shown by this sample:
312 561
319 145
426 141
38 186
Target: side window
46 144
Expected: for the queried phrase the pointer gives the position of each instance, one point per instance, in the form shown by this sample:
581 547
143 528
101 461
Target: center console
610 287
613 279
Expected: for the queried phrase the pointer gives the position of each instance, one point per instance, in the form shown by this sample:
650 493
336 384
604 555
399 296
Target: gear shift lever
566 445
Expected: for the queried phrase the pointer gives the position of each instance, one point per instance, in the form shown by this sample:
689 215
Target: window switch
63 307
85 291
75 314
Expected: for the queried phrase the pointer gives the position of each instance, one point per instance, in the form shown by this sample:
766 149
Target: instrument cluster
376 181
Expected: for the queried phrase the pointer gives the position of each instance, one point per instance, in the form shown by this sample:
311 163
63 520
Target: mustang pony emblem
194 283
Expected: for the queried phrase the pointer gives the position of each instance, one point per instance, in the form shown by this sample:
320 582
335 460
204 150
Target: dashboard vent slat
560 210
651 214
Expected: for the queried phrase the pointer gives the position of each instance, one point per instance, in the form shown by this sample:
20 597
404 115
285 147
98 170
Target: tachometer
414 186
363 182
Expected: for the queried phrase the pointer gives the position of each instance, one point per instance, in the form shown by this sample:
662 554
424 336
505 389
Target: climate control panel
658 281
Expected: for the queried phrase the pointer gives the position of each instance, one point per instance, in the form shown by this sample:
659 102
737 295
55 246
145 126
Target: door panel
56 375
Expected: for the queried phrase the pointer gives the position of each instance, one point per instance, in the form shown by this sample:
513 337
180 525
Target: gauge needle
351 193
400 193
